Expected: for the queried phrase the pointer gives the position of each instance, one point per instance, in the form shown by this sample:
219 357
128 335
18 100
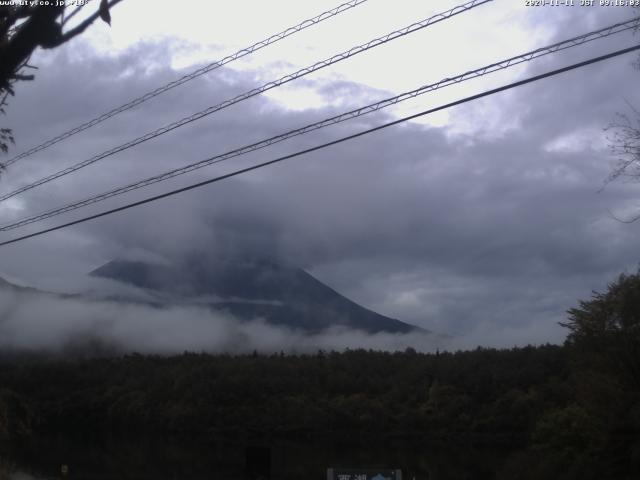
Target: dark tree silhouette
607 329
26 26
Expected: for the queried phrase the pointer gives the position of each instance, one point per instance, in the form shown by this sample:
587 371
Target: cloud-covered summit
489 226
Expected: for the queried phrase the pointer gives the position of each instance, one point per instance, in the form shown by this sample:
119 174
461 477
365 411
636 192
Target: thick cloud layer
489 227
51 324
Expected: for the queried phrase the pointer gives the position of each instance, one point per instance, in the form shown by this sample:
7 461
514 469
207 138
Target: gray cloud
490 233
51 324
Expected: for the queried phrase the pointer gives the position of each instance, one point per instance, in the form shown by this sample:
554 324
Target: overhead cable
373 107
327 144
190 76
253 92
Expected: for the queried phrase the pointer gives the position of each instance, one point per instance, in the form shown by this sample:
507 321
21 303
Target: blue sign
363 474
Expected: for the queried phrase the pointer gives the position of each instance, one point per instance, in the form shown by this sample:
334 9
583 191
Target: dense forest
570 411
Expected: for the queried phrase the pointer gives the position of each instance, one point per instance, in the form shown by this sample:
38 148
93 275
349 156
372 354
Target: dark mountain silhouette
253 288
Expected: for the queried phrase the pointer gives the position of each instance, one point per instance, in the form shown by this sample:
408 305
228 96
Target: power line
256 91
328 144
186 78
525 57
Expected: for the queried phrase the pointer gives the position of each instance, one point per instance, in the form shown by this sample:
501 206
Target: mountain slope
254 288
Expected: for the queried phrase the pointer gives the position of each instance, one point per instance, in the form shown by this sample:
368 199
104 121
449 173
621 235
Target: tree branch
40 28
73 14
19 76
11 15
77 30
631 219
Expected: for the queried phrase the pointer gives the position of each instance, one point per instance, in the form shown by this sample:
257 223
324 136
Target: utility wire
256 91
186 78
328 144
569 43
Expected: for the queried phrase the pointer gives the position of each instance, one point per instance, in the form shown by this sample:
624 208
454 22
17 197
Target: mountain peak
254 287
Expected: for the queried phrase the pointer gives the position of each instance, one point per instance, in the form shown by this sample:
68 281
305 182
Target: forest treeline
571 411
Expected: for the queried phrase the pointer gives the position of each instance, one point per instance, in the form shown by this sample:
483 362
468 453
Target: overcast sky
486 220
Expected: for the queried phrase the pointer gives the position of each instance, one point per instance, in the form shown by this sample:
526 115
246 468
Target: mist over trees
570 411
